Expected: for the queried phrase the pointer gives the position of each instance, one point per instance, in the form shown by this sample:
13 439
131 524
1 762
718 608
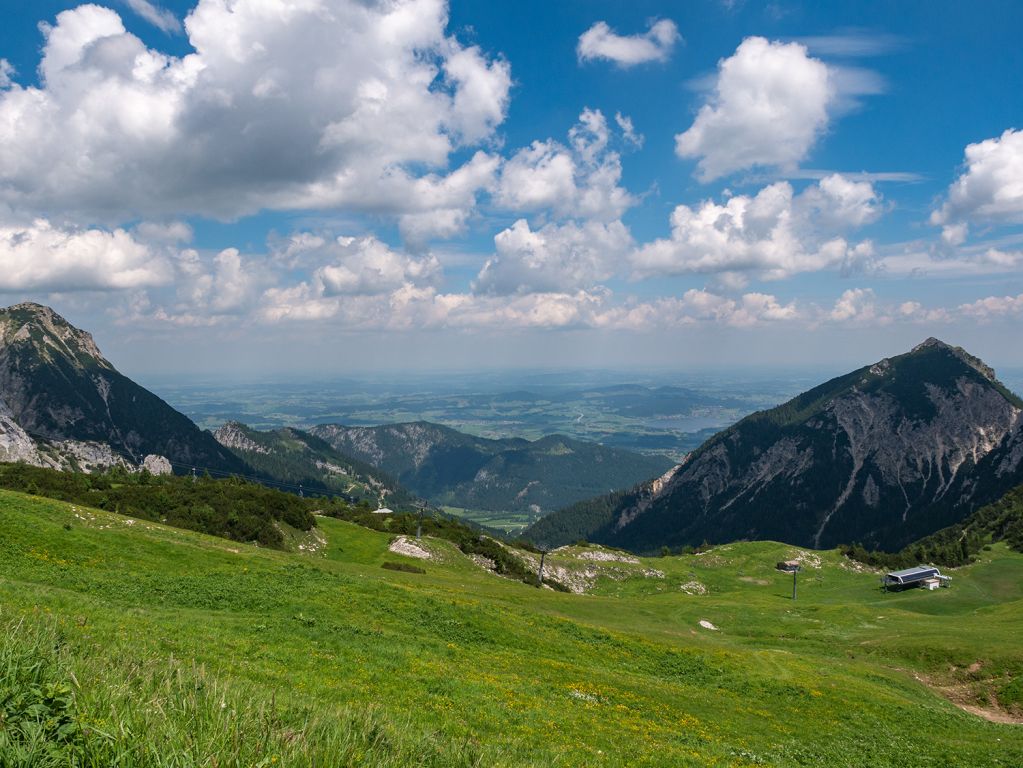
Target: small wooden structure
922 576
788 566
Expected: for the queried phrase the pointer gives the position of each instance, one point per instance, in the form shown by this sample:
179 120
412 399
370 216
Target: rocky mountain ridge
64 405
301 459
461 470
882 456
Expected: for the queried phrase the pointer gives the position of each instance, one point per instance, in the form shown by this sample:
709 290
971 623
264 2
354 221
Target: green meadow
129 643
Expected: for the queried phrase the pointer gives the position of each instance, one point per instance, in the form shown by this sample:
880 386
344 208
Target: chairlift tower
543 556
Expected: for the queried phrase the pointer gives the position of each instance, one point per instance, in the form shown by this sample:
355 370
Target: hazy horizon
278 188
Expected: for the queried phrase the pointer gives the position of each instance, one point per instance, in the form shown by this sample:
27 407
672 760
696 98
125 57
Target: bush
232 508
404 567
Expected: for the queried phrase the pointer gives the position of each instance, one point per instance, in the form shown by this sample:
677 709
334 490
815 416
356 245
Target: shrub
404 567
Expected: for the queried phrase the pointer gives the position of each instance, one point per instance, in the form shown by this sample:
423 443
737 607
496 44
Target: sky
310 187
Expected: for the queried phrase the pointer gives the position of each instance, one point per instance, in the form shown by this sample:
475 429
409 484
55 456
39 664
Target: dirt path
963 695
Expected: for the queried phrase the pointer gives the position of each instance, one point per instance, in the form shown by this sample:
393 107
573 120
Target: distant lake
687 423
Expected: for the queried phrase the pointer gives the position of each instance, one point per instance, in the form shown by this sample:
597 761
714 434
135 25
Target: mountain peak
41 326
931 342
976 363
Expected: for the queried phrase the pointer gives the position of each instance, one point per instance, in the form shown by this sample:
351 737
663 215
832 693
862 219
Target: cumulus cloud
601 42
282 105
346 274
582 179
993 307
750 309
557 257
775 233
769 105
160 18
855 305
44 257
990 189
415 307
364 265
6 72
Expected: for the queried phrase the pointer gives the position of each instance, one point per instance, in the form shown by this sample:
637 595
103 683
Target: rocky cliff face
881 456
77 410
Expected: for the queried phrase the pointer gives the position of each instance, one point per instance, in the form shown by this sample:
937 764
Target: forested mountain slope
881 456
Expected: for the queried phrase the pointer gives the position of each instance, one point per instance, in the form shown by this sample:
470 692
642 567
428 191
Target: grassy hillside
166 647
231 507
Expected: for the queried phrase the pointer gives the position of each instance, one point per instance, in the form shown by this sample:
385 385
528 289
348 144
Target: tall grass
60 709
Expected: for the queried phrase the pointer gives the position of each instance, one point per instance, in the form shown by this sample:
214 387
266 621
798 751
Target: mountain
881 456
63 404
298 458
460 470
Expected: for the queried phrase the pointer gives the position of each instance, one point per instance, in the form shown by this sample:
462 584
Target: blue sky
326 185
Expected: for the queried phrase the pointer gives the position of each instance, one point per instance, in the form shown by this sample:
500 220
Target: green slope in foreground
163 647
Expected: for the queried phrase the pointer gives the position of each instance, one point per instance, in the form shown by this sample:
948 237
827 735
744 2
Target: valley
669 413
323 655
587 384
292 615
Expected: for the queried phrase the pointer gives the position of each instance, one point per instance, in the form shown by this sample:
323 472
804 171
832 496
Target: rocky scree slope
453 468
881 456
63 404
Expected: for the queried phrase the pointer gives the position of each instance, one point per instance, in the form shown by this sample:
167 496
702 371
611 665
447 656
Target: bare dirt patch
968 695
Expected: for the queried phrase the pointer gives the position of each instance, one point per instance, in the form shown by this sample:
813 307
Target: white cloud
990 189
769 106
854 43
364 265
993 307
540 176
555 258
703 306
45 257
160 18
581 180
774 233
6 73
629 133
601 42
855 305
159 232
354 278
415 308
282 105
838 203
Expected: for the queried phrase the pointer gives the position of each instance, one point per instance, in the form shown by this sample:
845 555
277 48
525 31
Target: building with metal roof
914 577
